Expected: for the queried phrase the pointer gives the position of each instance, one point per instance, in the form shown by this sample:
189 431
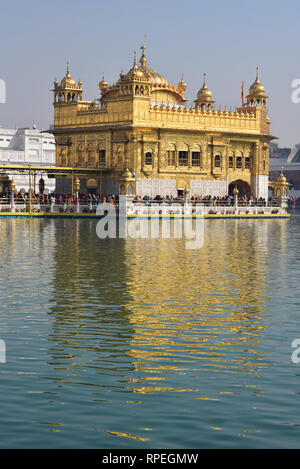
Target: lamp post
30 190
77 187
41 186
186 194
12 193
235 193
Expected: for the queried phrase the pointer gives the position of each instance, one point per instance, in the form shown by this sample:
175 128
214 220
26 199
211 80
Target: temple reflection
200 309
158 310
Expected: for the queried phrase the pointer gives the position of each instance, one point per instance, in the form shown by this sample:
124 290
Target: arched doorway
243 187
92 185
4 184
181 187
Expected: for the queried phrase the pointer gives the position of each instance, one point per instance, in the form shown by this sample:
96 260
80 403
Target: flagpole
242 94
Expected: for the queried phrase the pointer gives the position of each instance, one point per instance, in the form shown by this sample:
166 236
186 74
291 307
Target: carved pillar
189 157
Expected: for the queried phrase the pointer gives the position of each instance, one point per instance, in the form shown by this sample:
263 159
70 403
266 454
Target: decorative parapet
93 107
215 119
162 107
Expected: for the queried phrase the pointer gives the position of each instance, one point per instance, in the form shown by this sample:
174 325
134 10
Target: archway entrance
4 184
92 186
181 187
243 187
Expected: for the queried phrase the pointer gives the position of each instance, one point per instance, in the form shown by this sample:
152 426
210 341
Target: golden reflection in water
127 435
200 309
181 310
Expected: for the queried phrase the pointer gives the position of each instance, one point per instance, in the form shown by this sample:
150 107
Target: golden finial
256 73
182 85
68 68
134 59
103 84
143 59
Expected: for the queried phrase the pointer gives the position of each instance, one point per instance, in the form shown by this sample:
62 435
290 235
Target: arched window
80 151
247 162
195 158
171 157
230 161
183 158
102 157
239 162
148 159
217 161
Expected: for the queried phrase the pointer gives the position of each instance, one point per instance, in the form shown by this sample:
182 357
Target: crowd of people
60 198
95 199
207 200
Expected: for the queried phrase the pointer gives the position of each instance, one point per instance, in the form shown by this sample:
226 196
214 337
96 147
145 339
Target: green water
124 343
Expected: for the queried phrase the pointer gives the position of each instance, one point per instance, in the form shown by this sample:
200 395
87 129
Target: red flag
242 94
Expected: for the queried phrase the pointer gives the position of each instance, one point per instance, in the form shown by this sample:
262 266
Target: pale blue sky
227 40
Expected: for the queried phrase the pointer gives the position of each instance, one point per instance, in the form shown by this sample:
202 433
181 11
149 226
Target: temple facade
141 124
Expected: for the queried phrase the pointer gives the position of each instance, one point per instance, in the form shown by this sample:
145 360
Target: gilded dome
204 93
257 87
282 179
67 80
127 174
103 85
143 72
157 79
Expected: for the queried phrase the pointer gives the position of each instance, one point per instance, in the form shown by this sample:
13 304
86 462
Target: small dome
204 95
282 179
127 174
67 80
204 91
103 85
257 87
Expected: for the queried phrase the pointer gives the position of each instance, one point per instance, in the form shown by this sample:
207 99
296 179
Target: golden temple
140 130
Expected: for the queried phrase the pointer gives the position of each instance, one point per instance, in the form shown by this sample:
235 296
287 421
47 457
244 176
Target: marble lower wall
163 187
259 186
214 188
153 187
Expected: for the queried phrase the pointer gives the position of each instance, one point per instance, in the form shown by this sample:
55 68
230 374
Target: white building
27 147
